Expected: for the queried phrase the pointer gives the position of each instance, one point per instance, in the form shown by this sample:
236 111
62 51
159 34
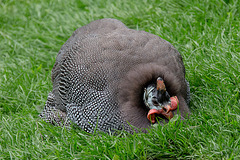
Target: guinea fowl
109 77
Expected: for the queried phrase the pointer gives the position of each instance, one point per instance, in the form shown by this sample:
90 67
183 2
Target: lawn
205 32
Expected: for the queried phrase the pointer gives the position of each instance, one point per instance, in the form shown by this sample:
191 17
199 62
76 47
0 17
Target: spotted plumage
100 74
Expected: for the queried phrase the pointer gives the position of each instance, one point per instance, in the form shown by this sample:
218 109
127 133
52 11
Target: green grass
206 33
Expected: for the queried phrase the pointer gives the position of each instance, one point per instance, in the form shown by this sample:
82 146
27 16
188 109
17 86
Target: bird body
100 74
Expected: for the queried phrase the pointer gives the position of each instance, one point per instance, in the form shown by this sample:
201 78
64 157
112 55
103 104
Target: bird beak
166 111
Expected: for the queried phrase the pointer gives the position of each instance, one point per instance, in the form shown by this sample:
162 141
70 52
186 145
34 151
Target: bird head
158 101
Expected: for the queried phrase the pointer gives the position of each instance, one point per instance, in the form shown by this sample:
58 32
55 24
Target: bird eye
155 102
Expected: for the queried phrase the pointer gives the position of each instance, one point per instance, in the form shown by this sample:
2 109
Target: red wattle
151 115
174 102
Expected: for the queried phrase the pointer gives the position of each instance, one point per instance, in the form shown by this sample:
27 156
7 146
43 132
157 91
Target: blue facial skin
155 99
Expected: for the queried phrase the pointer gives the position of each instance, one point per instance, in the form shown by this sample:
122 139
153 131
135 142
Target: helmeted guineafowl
108 76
